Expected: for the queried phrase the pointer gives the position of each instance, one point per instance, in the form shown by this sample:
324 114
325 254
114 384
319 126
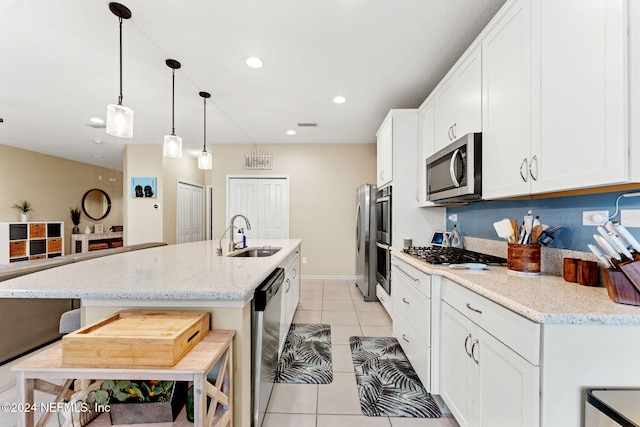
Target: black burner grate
442 255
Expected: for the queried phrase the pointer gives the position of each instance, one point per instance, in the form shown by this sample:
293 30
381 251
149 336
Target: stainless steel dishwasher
265 324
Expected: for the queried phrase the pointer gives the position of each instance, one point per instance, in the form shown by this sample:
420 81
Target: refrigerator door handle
358 228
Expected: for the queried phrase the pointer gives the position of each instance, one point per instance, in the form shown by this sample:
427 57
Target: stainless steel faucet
232 242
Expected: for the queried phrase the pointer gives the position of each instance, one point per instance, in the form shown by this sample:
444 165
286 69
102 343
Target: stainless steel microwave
454 174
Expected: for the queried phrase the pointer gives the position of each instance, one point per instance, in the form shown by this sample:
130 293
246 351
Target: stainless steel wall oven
383 238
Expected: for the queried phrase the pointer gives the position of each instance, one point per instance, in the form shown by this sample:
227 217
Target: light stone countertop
544 299
188 271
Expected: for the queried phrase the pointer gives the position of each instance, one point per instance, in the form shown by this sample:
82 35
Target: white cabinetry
458 100
489 362
385 152
554 88
290 293
415 319
24 241
426 146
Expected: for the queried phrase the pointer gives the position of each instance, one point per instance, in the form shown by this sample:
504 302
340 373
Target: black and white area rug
306 356
387 384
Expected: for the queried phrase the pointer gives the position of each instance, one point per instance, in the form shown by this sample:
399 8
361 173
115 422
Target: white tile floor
340 304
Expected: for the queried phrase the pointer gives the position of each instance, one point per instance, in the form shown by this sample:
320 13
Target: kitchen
465 221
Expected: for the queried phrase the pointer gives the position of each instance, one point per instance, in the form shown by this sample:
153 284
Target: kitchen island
184 276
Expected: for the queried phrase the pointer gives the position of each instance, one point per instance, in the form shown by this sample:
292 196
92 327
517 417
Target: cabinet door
469 95
580 139
426 147
506 104
456 367
385 153
506 385
273 208
445 113
243 199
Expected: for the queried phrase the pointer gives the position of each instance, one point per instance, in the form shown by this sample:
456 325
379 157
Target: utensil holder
523 259
620 289
588 273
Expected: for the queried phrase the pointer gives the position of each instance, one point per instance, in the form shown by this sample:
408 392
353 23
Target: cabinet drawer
417 278
413 305
37 231
516 332
417 351
54 245
17 249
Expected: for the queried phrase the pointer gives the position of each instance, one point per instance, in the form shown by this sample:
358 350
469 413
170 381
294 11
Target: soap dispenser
456 239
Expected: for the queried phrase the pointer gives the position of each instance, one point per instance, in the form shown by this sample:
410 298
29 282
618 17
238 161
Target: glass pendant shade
205 160
119 121
172 146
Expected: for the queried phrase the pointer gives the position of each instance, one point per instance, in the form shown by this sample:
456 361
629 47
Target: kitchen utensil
536 232
606 247
624 233
504 230
546 236
469 265
613 240
514 226
597 252
528 226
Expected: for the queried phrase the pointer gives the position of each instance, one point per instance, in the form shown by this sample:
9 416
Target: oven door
383 266
383 215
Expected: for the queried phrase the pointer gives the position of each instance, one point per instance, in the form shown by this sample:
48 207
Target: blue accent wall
476 219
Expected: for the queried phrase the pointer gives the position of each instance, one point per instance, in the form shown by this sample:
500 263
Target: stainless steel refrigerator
366 241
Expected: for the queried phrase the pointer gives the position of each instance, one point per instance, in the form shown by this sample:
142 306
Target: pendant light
119 117
173 143
205 159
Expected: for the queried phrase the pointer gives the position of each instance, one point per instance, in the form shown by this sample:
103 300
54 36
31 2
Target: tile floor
340 304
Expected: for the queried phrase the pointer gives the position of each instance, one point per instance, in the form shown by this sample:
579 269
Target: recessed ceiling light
291 132
339 99
98 141
97 120
254 62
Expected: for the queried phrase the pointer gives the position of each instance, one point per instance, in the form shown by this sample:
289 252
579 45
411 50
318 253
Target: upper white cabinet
554 88
385 152
426 146
458 106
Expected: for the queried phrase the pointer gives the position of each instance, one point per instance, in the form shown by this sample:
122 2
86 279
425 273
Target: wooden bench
193 367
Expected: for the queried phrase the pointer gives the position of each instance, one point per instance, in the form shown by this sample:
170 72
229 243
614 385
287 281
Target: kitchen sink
257 252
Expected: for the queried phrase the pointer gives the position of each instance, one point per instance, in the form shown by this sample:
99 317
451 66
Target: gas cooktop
443 255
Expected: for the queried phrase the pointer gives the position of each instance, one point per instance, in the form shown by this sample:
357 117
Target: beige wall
53 185
323 182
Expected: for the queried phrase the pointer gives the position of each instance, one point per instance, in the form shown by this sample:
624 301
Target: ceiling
60 68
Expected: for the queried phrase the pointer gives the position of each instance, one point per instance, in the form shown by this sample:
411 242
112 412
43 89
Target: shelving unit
24 241
95 241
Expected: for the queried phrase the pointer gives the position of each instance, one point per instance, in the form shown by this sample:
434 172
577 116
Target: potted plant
25 207
140 402
75 218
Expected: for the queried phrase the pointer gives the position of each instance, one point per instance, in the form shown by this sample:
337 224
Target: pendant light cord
120 96
173 94
204 146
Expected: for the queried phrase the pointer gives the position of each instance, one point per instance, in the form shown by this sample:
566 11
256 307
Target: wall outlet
595 218
304 259
453 217
630 217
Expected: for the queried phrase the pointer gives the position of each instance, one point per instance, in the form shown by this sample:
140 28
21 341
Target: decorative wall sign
258 159
143 187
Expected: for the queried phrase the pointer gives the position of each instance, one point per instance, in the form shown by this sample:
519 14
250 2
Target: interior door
190 213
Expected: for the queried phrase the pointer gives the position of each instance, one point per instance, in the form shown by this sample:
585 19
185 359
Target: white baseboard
323 277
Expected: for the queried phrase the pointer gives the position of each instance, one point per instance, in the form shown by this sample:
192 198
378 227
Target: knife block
620 289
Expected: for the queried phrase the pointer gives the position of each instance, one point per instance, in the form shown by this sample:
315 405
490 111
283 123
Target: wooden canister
523 259
570 269
588 273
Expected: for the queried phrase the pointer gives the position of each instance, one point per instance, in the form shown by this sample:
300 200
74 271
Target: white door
265 202
190 213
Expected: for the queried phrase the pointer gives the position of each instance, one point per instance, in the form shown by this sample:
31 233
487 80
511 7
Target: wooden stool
194 366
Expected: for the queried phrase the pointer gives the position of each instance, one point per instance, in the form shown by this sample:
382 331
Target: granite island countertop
187 271
544 299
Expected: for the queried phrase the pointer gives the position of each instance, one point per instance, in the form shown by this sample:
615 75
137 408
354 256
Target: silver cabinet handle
295 272
408 275
404 300
473 309
453 131
523 175
449 133
288 286
473 351
534 159
452 170
466 345
404 337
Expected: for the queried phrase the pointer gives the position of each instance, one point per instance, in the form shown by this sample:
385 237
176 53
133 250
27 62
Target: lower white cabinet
483 381
290 294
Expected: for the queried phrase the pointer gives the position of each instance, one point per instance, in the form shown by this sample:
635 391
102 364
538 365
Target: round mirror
96 204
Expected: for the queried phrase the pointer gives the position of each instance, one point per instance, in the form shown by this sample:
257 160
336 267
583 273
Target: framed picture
98 228
143 187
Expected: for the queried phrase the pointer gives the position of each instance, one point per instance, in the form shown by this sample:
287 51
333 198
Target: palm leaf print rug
306 356
387 384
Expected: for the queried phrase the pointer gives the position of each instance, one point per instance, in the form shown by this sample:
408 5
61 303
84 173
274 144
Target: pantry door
264 200
190 213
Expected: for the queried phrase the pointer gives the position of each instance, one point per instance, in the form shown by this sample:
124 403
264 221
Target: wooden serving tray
136 338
